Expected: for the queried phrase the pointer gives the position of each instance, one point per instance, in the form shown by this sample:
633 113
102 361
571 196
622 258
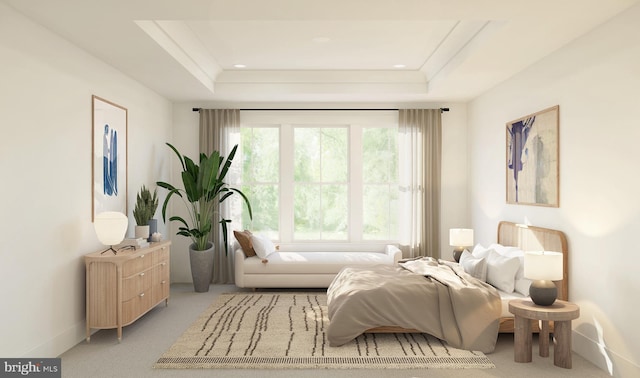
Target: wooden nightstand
560 312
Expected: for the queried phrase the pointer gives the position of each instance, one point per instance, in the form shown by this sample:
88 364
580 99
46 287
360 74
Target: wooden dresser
123 287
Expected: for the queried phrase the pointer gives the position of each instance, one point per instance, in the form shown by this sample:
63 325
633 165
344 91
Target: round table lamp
543 267
110 226
460 238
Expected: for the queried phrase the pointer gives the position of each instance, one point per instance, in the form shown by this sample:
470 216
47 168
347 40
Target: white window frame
355 121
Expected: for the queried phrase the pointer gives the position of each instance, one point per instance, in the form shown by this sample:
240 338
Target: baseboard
603 357
61 343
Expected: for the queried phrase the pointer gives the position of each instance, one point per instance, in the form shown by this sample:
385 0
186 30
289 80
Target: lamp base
543 292
115 252
457 252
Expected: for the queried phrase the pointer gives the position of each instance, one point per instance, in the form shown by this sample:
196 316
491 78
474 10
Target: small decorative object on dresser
145 208
123 287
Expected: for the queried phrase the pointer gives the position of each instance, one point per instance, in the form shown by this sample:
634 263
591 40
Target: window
321 176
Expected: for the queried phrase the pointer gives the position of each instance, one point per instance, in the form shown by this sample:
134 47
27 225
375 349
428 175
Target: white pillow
262 245
504 249
479 251
501 271
477 267
522 286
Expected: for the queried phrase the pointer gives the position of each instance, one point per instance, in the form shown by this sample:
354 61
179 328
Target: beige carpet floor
148 338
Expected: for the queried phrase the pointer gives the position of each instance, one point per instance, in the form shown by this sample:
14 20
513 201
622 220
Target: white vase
142 232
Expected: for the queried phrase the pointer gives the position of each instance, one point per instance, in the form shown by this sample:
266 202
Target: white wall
595 80
454 212
45 161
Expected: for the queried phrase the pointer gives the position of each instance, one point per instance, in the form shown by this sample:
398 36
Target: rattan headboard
531 238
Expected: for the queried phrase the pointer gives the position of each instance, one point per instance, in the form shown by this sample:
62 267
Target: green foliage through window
322 182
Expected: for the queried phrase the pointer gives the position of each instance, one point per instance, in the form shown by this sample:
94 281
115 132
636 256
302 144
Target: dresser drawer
137 264
160 255
136 284
136 306
160 288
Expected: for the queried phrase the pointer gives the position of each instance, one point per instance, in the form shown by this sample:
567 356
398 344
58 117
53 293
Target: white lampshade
110 226
461 237
543 265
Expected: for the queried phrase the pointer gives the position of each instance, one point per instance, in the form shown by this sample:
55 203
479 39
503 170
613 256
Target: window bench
290 269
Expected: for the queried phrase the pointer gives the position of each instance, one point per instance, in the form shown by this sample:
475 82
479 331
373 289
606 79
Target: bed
482 325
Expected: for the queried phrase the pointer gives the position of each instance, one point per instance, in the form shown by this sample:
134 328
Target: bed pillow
501 271
521 284
244 238
262 245
477 267
480 252
504 249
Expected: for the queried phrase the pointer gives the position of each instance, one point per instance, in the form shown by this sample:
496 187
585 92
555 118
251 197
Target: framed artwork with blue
109 156
533 159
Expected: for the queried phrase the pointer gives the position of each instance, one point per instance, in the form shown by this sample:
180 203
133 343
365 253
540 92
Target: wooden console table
124 286
560 312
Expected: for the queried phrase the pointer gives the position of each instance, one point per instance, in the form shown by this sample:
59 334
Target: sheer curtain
219 131
420 145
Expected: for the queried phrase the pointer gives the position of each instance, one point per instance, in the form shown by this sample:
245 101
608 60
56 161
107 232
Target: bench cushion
312 262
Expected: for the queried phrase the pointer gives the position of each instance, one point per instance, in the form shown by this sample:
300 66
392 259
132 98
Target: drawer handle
141 256
141 295
141 274
163 282
164 264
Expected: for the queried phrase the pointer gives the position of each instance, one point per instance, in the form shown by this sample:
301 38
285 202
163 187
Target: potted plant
145 208
204 189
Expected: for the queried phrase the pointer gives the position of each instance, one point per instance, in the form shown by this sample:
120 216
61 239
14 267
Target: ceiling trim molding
175 38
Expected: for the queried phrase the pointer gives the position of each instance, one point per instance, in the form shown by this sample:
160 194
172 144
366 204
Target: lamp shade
543 265
460 237
110 226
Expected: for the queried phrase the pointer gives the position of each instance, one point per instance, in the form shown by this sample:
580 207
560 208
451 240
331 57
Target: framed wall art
109 156
533 159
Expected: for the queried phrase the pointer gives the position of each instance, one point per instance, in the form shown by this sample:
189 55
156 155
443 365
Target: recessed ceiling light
240 66
399 66
321 39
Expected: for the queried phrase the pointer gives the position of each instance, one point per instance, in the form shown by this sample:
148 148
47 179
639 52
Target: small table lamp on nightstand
543 268
460 238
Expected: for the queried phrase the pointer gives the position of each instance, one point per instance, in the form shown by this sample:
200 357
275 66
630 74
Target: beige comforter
438 299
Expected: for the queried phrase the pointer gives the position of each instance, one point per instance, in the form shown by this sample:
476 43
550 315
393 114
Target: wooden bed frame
527 238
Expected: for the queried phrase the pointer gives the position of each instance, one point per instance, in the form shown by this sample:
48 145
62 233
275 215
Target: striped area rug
288 331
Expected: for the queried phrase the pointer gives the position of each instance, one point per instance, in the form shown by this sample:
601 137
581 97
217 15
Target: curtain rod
198 109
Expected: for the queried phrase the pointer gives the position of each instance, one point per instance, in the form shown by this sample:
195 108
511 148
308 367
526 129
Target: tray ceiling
331 50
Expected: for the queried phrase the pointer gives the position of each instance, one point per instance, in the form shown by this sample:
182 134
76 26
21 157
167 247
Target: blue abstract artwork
532 159
109 156
110 161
